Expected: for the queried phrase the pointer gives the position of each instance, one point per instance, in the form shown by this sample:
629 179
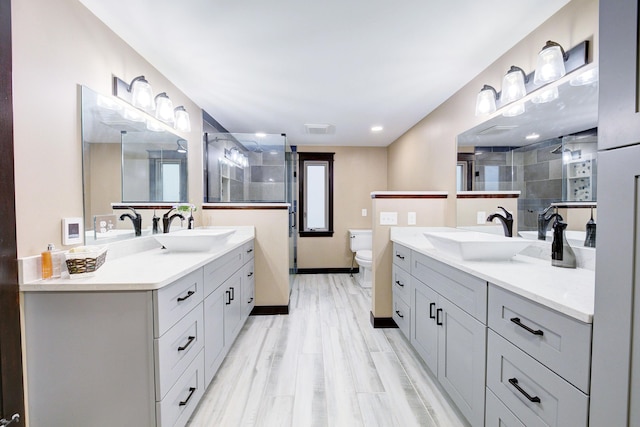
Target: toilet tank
360 239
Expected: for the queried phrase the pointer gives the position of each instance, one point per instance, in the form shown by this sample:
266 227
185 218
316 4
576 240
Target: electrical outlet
364 212
411 218
388 218
481 217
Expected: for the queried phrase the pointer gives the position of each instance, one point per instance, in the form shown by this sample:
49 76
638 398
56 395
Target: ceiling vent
494 130
319 129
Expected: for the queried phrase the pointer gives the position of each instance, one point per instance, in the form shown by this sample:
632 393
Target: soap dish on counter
84 261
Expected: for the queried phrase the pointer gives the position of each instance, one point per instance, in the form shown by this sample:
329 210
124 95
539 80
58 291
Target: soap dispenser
561 253
590 239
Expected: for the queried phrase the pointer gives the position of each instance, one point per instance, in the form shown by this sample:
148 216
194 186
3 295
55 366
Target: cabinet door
619 119
424 331
461 359
213 332
232 307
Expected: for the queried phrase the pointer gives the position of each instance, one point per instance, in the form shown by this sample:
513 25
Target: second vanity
138 343
509 341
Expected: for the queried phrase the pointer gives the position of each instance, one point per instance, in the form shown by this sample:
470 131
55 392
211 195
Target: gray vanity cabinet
448 312
401 285
248 279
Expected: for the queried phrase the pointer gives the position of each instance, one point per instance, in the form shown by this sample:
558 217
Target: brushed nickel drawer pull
516 320
514 382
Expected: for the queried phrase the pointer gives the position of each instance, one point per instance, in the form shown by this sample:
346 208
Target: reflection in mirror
125 161
548 153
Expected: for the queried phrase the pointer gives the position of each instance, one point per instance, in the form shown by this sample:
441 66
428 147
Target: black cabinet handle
516 320
228 293
249 250
233 294
514 382
250 274
431 307
191 391
399 283
399 256
184 347
399 315
438 319
250 300
186 297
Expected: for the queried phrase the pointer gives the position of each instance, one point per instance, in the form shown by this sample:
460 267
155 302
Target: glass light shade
513 85
182 123
486 101
513 110
545 95
585 78
164 108
142 94
550 65
134 115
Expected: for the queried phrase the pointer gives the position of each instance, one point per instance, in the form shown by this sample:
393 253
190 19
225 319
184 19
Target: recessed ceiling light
261 134
532 136
376 128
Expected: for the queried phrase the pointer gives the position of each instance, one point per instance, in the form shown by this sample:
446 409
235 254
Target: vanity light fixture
181 148
182 122
164 108
550 66
486 100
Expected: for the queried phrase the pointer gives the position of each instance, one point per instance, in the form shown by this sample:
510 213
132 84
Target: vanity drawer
219 270
498 415
174 301
248 251
179 403
557 341
402 315
401 283
175 350
464 290
535 395
402 257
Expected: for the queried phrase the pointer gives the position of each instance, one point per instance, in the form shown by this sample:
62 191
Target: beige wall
271 248
58 46
357 172
424 157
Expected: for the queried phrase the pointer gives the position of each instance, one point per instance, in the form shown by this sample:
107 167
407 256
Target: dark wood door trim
11 382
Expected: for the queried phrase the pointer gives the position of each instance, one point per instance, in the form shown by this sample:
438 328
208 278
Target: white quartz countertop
146 270
568 291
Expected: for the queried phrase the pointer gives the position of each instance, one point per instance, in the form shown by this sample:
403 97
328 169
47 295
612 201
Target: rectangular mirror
124 161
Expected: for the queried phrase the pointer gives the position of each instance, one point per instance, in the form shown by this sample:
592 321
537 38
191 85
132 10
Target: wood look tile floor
323 365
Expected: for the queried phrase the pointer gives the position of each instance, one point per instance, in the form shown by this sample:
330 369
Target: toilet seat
364 257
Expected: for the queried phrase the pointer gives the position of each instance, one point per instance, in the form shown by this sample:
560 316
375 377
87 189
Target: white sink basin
476 246
198 240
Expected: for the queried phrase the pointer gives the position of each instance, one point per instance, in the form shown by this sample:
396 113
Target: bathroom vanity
509 341
138 343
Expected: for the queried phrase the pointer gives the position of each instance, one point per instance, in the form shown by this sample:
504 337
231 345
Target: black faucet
507 221
544 220
166 219
136 218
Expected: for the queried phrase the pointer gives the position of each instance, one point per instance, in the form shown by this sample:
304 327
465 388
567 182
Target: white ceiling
274 65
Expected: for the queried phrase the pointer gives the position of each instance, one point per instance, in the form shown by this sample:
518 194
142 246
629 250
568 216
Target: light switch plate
388 218
72 231
481 217
364 212
411 218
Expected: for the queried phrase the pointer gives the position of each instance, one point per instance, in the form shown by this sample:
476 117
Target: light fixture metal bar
121 89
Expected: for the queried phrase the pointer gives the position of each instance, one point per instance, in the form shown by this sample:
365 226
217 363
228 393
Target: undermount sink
198 240
476 246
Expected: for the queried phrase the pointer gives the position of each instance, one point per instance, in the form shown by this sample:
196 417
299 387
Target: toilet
360 242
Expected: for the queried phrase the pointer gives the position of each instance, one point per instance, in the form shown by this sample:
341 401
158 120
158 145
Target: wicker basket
85 263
